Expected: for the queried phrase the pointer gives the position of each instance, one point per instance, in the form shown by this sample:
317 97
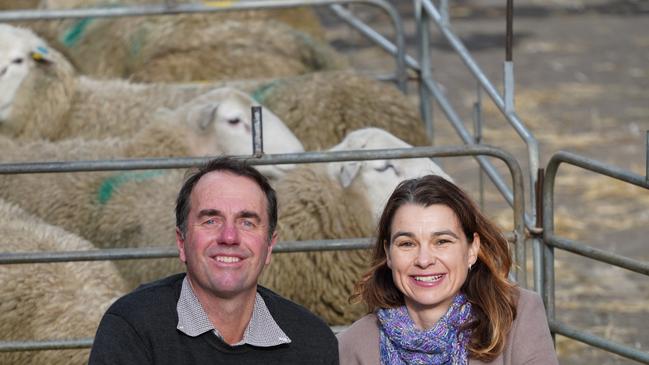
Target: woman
438 292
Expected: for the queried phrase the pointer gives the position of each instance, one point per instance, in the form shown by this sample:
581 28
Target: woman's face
429 256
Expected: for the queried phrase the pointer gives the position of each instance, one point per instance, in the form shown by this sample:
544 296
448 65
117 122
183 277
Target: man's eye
248 224
405 244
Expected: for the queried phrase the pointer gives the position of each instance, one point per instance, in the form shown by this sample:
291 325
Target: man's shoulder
149 297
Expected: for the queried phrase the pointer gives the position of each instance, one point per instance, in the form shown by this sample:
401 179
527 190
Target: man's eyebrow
209 213
249 214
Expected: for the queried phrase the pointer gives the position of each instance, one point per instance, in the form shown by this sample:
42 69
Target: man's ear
271 245
180 243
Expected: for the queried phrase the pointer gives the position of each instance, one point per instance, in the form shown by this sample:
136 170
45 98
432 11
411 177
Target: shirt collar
262 330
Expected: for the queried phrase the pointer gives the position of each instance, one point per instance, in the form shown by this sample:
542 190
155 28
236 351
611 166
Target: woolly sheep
111 209
321 108
54 300
43 99
337 200
190 47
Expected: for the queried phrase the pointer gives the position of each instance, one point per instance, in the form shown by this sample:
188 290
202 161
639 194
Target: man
226 214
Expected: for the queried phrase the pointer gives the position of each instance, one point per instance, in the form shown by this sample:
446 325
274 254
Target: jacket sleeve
117 343
531 340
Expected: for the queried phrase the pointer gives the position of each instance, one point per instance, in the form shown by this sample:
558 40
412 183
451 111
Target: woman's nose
425 257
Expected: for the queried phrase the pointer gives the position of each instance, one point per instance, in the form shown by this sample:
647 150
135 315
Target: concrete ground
582 80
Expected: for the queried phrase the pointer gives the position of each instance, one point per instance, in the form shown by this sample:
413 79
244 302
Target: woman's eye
405 244
442 242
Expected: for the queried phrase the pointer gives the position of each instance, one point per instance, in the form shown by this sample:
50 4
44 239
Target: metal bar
598 254
537 243
509 86
158 252
511 117
399 51
509 32
257 132
423 50
268 159
179 8
646 174
548 220
596 341
9 346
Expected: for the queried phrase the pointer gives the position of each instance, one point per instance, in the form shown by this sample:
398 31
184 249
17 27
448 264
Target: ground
581 80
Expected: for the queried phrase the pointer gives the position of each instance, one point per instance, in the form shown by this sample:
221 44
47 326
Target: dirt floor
582 75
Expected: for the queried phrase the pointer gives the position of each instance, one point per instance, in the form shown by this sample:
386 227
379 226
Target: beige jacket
528 343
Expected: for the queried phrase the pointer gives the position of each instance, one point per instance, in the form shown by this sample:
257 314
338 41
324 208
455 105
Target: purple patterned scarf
444 343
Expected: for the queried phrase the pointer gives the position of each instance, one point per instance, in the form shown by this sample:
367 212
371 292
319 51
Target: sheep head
378 178
30 74
221 120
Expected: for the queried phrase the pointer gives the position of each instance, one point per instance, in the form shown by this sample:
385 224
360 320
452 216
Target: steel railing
552 241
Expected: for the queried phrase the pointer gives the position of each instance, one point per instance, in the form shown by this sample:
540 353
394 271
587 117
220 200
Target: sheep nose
3 71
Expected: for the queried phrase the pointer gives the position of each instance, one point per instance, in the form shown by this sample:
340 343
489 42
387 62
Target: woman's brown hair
493 297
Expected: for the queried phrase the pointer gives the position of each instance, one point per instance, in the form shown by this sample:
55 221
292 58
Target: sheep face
378 178
20 50
222 119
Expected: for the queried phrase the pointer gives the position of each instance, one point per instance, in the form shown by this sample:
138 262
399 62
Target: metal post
257 132
423 43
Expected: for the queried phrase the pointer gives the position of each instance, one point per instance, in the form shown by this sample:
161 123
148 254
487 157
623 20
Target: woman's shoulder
528 299
359 343
365 326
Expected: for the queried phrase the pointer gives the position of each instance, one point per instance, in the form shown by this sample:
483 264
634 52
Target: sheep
303 18
321 108
337 200
53 300
191 47
43 99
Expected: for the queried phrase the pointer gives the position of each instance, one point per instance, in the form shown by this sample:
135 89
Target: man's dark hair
233 166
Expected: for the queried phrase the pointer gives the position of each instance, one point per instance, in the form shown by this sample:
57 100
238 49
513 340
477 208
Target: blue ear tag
42 50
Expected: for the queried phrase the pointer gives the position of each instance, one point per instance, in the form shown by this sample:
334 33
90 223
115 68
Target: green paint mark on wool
72 36
259 95
110 184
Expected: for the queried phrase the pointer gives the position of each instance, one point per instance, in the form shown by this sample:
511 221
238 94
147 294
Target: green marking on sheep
110 184
72 36
262 92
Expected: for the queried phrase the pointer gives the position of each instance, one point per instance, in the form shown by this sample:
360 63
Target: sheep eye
385 167
234 121
17 61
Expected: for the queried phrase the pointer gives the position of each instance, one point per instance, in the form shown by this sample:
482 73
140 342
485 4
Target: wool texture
401 342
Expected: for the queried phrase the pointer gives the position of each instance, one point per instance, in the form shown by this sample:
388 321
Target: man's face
226 246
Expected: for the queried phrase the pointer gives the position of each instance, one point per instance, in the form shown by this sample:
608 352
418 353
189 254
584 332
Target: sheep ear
206 116
41 55
348 172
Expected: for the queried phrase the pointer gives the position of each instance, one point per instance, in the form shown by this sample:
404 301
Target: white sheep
192 47
53 300
321 108
42 98
336 201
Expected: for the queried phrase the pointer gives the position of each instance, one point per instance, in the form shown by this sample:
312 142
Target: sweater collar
262 330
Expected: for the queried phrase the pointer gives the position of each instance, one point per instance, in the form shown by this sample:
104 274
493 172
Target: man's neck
230 316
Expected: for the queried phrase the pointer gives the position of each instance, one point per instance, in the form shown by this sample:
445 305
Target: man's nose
229 235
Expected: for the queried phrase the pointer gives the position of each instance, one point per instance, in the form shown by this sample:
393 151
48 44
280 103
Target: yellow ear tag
37 56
